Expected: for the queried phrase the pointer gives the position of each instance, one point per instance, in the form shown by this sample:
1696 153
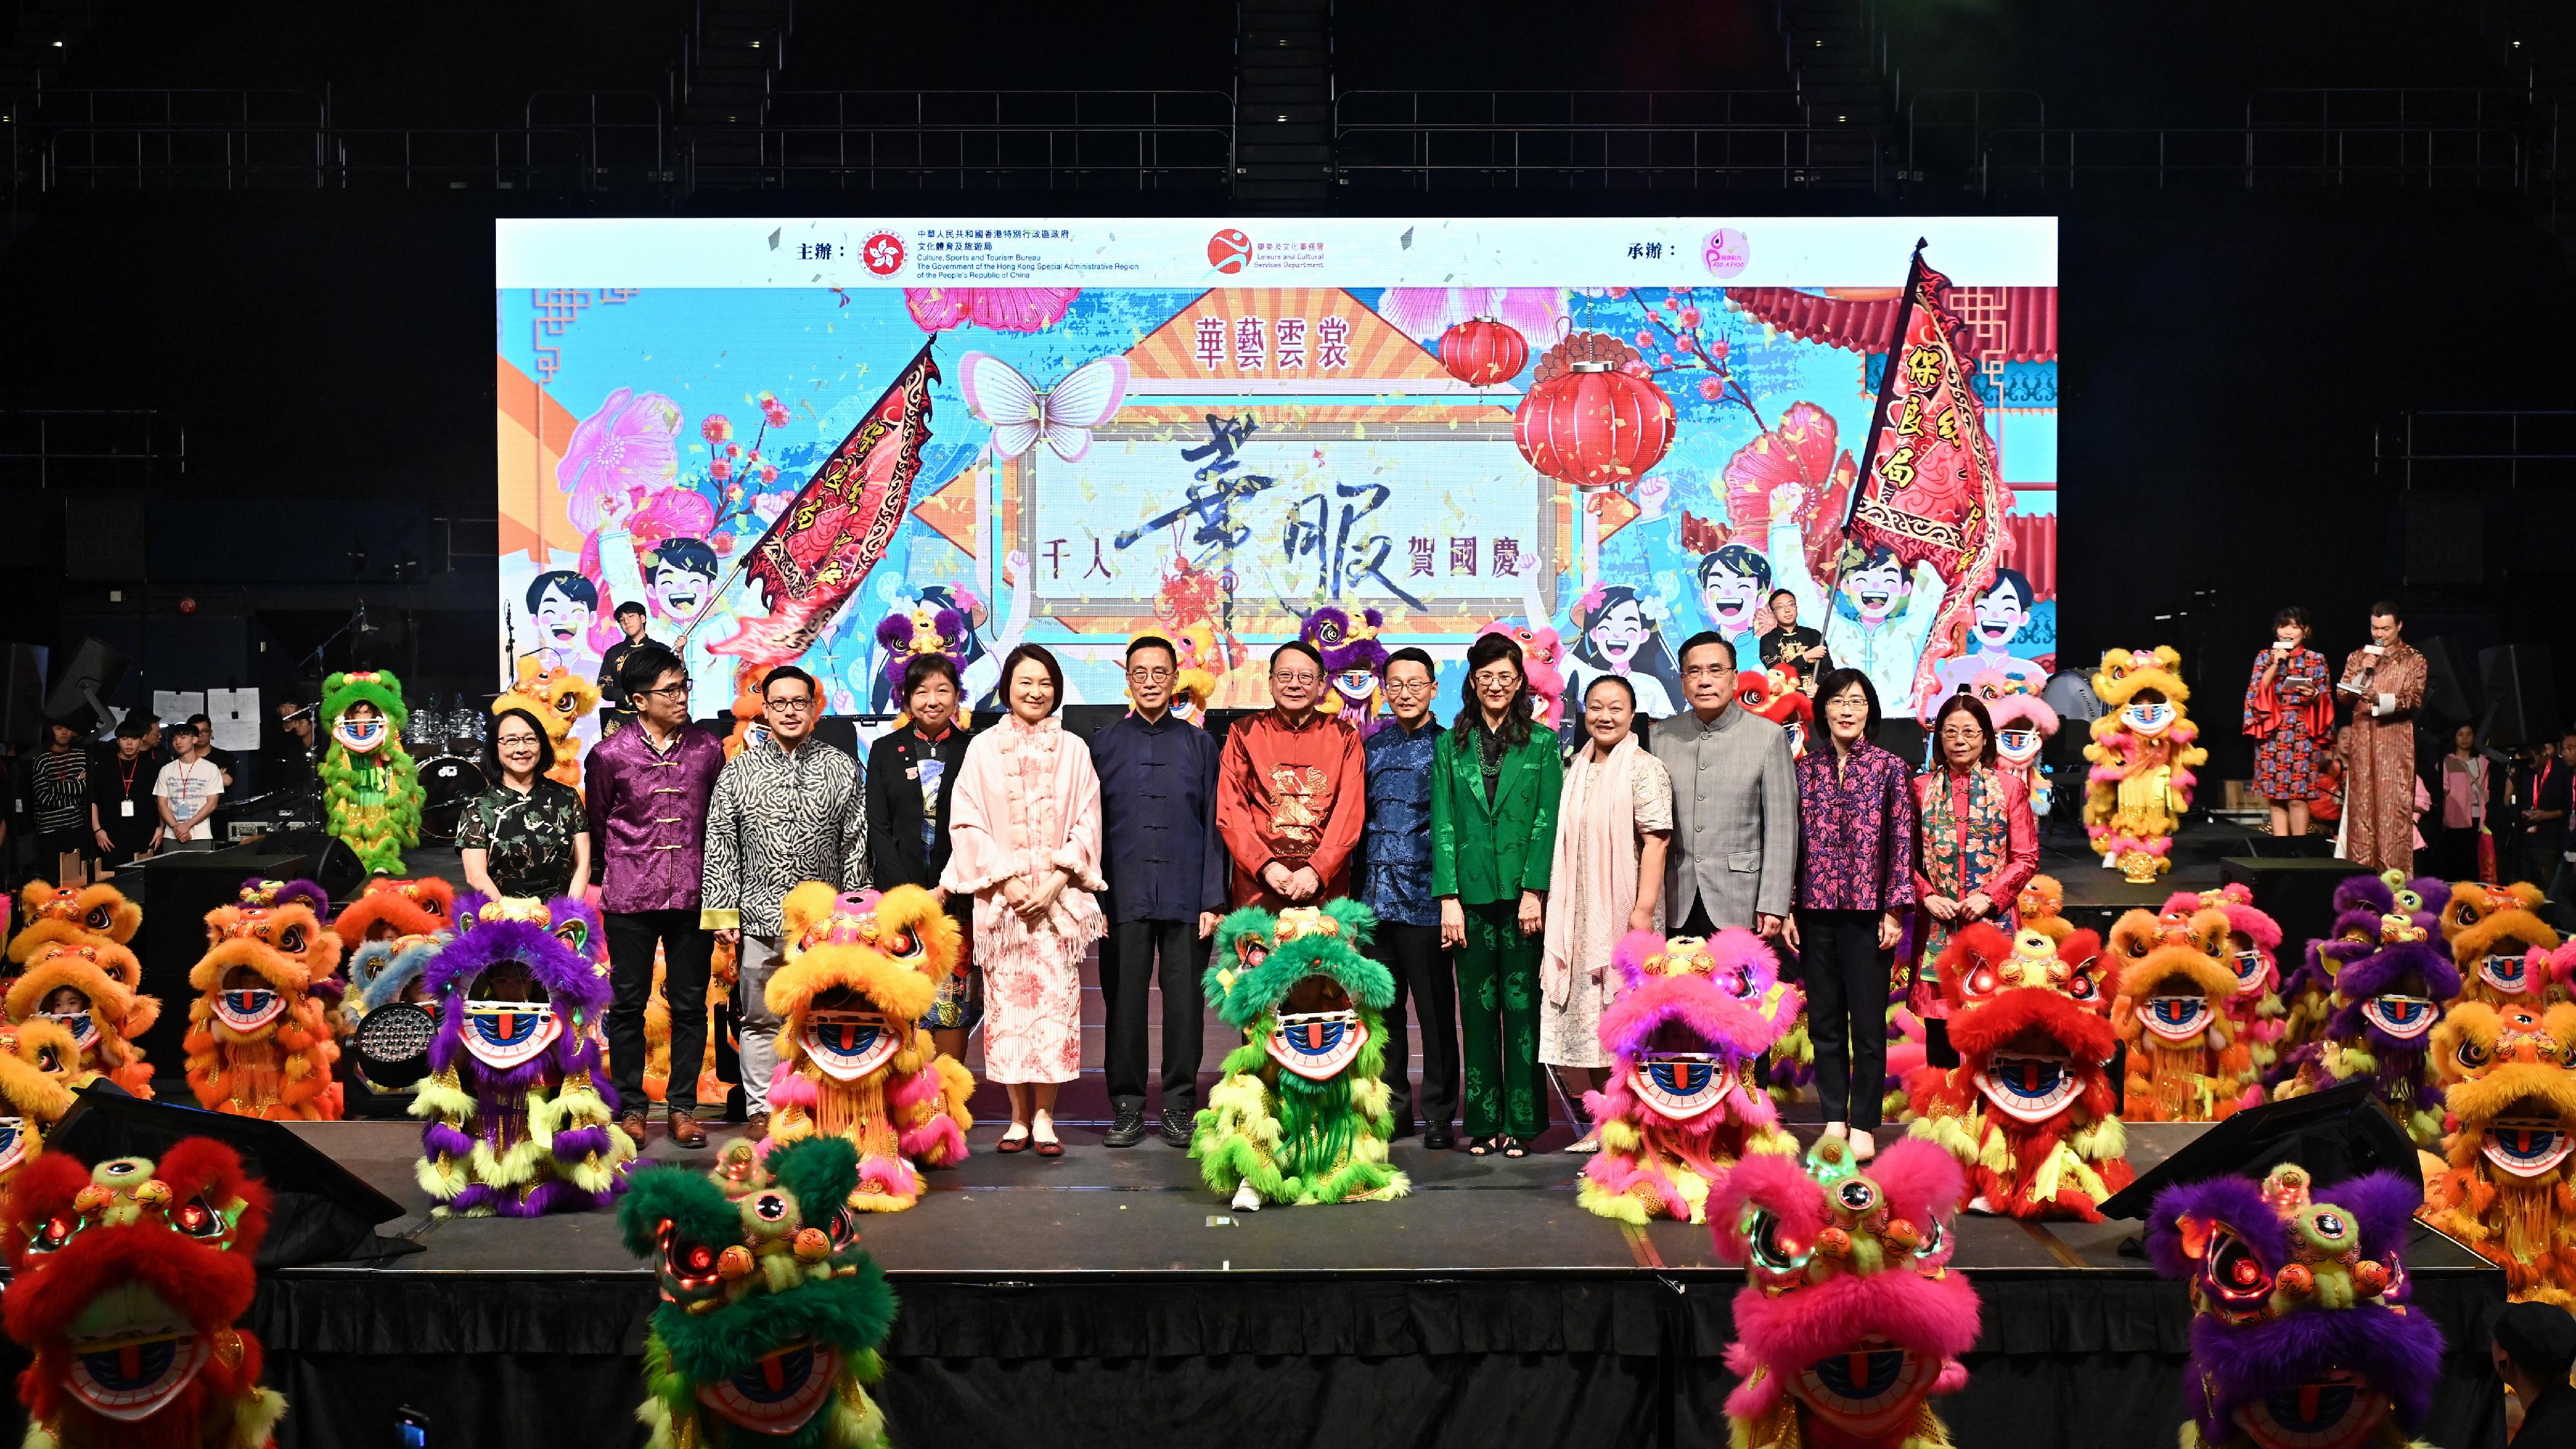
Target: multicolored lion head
72 914
2173 995
2392 998
1851 1317
2143 754
1542 661
2253 947
861 969
89 989
2299 1336
519 991
2024 723
127 1280
390 908
2501 945
558 699
771 1314
1354 661
259 1038
1691 1018
2511 1102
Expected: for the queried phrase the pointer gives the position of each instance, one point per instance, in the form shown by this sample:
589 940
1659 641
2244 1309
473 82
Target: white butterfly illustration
1020 414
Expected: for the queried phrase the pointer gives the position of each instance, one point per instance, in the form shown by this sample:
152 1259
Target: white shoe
1978 1204
1246 1198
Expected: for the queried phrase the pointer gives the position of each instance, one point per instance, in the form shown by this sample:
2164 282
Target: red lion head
128 1277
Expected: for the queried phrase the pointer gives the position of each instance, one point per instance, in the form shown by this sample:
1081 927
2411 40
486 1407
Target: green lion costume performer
770 1315
1302 1116
370 789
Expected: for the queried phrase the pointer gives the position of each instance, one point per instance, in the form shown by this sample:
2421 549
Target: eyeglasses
1149 674
1970 735
680 688
1408 686
789 706
506 741
1300 677
1497 679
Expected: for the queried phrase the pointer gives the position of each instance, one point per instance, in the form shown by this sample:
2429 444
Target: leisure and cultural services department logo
1229 251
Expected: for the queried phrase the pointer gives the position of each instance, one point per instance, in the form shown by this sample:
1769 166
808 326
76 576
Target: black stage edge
1109 1299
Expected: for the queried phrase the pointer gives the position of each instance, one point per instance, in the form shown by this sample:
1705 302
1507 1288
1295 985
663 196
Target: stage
1108 1298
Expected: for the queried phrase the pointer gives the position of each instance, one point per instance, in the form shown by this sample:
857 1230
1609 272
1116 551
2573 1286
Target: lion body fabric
101 1256
2036 1129
1672 1122
260 1040
860 970
2143 756
771 1314
2508 1189
371 794
1314 1127
517 1120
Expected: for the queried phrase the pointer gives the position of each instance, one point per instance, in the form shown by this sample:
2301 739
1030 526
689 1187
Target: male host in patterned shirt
1289 792
787 810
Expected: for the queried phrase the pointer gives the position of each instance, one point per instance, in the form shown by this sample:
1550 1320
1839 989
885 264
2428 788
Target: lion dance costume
2299 1334
771 1315
1354 664
2024 724
2502 948
1302 1115
71 914
1774 695
371 795
860 970
2510 1189
259 1033
2143 756
2385 1006
1691 1019
107 1019
2171 1007
559 699
2029 1112
922 632
2361 903
126 1281
390 908
518 1122
1851 1317
2253 956
36 1083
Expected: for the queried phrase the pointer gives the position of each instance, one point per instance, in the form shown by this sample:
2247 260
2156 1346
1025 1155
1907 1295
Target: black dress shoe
1177 1122
1128 1130
1437 1139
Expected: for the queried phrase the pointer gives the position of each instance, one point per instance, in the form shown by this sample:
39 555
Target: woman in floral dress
1024 841
1977 847
2289 714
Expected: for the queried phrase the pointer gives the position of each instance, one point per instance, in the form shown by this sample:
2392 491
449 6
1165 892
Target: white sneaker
1978 1204
1246 1198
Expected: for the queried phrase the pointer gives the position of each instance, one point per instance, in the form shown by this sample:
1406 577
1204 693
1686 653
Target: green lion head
771 1315
379 687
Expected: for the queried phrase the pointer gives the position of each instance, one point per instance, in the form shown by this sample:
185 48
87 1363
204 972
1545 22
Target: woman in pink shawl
1613 822
1024 840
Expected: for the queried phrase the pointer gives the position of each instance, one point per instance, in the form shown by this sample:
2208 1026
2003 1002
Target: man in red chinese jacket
1290 795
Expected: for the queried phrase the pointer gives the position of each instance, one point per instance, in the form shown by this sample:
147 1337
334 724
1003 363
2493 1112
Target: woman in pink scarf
1613 822
1024 840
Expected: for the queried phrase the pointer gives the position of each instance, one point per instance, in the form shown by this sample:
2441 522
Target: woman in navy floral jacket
1855 878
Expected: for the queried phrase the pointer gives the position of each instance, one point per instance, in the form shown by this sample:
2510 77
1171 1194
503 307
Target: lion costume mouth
2028 1088
2338 1411
847 1045
2148 720
139 1354
2508 974
1869 1390
1318 1045
2402 1017
249 1008
779 1391
1682 1085
506 1034
2177 1019
2526 1146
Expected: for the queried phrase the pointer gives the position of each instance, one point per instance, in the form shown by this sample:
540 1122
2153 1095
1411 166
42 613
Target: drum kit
452 778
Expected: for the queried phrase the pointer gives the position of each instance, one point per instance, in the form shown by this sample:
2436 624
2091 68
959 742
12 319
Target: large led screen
778 435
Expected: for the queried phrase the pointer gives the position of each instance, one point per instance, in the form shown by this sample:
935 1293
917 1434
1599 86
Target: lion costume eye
54 1234
1769 1250
100 918
198 1218
2470 1054
2468 914
291 940
576 934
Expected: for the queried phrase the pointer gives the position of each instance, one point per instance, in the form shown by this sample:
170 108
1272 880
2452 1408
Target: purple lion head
2299 1335
2393 997
1349 653
519 991
904 640
271 894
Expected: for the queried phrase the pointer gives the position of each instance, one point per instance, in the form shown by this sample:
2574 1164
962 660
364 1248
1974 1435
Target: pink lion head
1690 1018
1541 650
2253 938
2024 723
1851 1316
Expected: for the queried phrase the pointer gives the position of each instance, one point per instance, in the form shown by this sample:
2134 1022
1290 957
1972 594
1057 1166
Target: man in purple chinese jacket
647 790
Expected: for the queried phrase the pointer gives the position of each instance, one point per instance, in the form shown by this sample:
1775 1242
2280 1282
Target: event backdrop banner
774 434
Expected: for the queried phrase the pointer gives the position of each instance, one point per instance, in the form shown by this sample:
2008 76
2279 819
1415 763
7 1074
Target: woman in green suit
1495 778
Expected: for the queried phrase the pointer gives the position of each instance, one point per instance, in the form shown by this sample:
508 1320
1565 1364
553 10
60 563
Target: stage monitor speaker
2521 701
22 694
105 536
322 1212
2446 690
176 893
92 673
2289 847
330 863
2336 1134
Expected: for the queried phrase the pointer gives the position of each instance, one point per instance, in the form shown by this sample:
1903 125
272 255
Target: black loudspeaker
93 672
176 891
330 863
2337 1134
105 535
2521 701
22 694
2446 691
2297 891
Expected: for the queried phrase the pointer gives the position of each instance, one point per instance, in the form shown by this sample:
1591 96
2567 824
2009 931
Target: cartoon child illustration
1880 619
679 578
561 604
1617 633
2002 610
1733 582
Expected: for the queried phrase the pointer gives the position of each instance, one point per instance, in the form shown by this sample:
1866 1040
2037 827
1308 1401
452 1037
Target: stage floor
1109 1298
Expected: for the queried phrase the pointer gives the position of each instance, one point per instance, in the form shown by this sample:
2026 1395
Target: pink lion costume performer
2170 1006
2509 1187
2031 1111
2143 756
1851 1319
861 969
2254 956
1690 1020
2504 951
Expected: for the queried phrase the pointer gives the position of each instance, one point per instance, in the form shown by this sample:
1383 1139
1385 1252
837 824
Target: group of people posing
1504 864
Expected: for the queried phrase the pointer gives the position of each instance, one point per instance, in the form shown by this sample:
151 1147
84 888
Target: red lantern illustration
1589 420
1481 352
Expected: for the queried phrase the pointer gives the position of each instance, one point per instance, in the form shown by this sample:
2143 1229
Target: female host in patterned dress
2290 716
1024 841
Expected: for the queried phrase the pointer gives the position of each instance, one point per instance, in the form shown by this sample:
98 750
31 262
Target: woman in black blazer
912 771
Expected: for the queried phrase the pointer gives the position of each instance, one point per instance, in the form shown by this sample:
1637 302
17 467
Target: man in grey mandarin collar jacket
1735 803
